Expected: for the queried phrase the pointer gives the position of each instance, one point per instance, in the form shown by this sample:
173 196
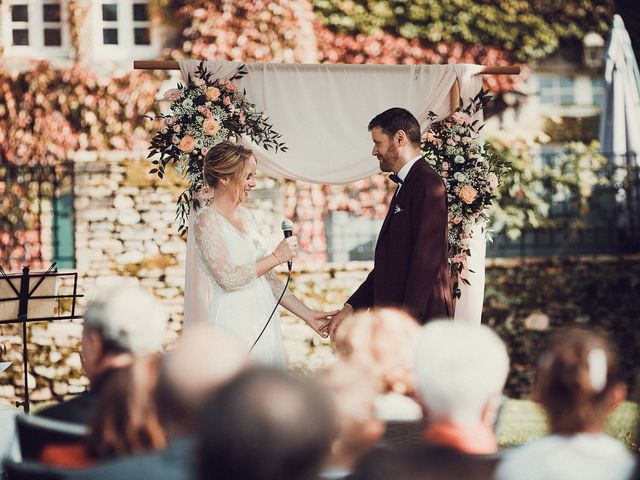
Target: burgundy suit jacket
411 269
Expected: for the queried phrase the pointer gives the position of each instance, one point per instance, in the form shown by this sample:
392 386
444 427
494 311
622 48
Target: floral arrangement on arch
471 171
203 113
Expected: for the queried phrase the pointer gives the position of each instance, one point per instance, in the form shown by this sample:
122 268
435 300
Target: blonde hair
575 379
383 343
225 160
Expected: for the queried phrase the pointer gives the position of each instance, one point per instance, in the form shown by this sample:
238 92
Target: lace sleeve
214 255
276 285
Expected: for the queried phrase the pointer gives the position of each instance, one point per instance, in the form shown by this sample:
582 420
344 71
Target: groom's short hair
395 119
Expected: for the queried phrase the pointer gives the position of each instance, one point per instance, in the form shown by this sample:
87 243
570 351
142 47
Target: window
125 23
20 24
110 23
52 24
141 34
35 24
597 90
556 90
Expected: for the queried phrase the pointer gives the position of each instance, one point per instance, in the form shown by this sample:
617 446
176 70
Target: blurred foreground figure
121 324
460 372
265 425
578 383
202 361
354 393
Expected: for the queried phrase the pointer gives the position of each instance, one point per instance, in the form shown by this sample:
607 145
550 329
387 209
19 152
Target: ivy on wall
531 30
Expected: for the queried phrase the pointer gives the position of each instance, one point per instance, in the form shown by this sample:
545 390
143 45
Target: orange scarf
476 439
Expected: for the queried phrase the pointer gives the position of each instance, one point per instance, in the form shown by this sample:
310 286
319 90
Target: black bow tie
395 178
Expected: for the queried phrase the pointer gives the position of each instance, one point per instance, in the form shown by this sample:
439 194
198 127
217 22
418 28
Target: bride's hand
319 321
286 249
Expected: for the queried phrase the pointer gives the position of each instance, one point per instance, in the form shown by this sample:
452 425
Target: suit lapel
398 197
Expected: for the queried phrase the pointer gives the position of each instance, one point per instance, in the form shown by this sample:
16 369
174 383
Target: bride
243 287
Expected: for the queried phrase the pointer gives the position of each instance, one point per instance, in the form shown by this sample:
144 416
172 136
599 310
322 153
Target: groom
411 270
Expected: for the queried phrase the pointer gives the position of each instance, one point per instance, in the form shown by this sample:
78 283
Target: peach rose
186 144
210 126
468 194
172 94
212 93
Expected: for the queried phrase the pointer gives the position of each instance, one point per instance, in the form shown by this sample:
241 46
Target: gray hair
459 369
128 319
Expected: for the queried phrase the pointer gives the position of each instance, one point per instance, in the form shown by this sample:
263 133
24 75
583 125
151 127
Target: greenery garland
203 113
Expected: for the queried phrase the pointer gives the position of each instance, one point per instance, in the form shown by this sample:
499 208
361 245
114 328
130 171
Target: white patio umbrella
620 121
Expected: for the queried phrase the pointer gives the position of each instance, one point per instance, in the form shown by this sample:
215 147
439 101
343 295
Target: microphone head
287 225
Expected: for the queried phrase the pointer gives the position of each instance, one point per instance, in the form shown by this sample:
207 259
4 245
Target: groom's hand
337 319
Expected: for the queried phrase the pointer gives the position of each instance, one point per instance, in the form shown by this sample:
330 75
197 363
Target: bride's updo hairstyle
576 379
225 160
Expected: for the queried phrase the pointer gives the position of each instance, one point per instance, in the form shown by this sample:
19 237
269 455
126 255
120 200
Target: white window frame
35 26
557 90
126 48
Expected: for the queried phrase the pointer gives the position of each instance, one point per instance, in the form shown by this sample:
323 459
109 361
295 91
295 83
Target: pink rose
457 220
212 93
210 126
175 139
186 144
445 174
468 194
493 180
450 216
198 82
232 87
172 94
227 101
461 117
204 150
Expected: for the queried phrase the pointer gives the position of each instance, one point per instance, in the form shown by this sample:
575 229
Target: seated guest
202 361
460 371
120 325
265 425
353 393
382 342
578 383
126 422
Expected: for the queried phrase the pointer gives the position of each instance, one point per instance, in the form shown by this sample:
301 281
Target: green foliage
526 193
601 294
530 29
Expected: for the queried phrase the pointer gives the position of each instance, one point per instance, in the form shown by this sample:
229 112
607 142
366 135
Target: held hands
332 327
286 249
319 321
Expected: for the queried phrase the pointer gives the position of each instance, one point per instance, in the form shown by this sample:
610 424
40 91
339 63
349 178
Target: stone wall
125 232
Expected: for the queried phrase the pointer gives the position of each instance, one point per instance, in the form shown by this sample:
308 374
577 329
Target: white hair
459 369
128 318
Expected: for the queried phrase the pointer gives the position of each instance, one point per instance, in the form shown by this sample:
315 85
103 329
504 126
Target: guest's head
119 325
203 360
353 392
578 381
126 420
461 370
382 342
396 138
265 425
230 169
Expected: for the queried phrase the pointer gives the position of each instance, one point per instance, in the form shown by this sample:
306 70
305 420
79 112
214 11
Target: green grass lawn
524 420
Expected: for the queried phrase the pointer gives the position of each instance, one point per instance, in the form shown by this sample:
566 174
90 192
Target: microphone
287 230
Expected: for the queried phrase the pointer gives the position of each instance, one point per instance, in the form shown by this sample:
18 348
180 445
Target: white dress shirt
404 171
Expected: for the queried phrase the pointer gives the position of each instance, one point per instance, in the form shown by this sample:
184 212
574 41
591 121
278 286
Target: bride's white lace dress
241 301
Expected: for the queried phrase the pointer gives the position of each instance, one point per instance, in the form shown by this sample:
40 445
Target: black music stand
23 288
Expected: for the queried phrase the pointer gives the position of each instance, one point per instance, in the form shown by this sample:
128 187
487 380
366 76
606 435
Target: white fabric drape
322 112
